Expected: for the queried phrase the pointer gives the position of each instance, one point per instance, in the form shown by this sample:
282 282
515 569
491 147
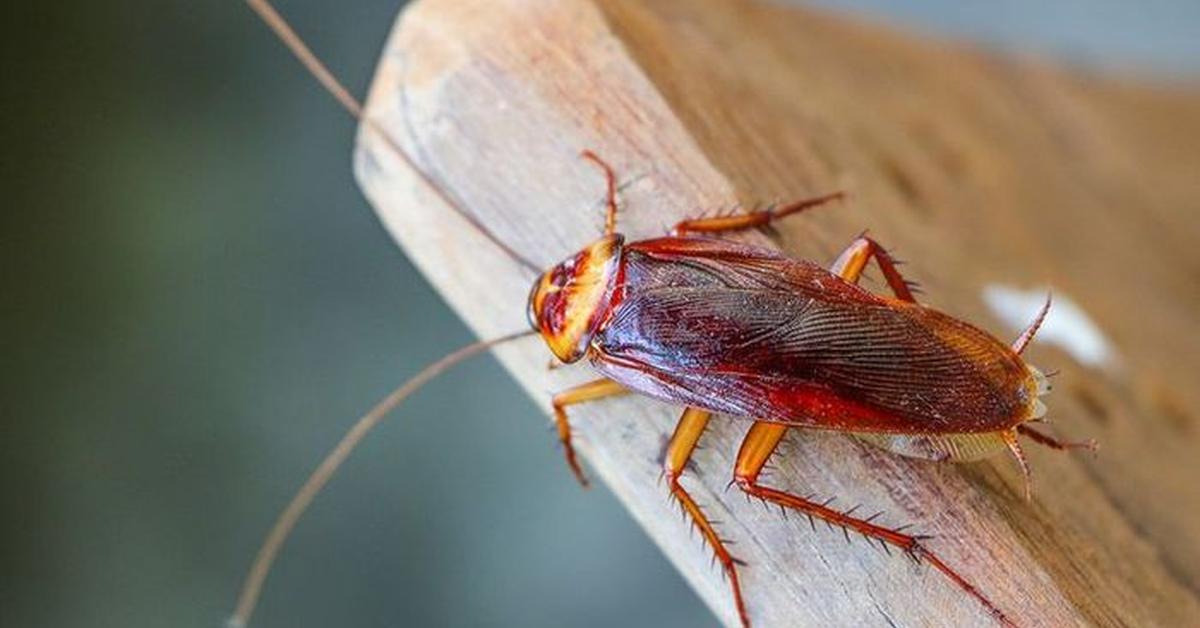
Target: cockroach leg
590 391
851 263
1053 443
758 446
751 219
610 219
676 458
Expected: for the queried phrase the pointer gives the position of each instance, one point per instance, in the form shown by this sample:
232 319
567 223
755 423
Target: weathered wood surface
974 169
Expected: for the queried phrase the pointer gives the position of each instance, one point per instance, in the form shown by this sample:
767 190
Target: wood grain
975 169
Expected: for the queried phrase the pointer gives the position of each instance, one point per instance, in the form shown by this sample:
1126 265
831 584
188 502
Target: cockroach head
569 302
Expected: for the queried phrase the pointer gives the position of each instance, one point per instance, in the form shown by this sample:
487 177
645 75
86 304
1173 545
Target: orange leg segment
1010 439
758 446
1054 443
851 263
679 450
590 391
751 219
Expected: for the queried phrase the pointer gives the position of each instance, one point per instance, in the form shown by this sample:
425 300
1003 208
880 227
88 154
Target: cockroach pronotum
721 327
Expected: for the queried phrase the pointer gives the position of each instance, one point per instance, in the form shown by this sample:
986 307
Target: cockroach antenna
256 576
335 88
1026 336
252 587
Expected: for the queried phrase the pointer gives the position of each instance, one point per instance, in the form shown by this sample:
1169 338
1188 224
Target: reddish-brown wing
747 332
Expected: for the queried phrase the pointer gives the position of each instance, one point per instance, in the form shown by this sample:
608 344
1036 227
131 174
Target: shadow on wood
976 170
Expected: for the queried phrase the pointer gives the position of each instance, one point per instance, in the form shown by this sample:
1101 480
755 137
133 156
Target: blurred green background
197 302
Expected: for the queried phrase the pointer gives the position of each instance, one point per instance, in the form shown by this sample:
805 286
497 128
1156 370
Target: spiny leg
610 218
850 266
1054 443
590 391
758 446
679 450
851 263
1010 439
751 219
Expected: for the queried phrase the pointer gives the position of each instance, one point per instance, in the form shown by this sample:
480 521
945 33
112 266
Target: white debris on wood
1066 326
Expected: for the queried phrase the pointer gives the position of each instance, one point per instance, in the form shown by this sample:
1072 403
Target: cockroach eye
531 309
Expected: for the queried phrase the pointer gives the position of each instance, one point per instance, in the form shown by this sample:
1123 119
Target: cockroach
724 328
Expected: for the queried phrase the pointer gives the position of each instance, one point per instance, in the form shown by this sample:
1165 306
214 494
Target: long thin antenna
332 85
610 179
252 587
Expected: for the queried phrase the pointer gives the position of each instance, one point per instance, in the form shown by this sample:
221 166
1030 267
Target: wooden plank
977 170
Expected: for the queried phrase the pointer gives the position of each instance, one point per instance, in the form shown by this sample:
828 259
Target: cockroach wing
747 332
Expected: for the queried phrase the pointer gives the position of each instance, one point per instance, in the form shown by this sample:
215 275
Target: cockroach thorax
568 302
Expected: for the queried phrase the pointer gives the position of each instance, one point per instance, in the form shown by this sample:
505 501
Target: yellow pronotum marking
584 293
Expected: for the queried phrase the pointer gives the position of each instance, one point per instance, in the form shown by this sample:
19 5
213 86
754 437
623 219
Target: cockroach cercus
723 328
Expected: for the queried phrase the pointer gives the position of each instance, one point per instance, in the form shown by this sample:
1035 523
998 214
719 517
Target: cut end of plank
955 156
